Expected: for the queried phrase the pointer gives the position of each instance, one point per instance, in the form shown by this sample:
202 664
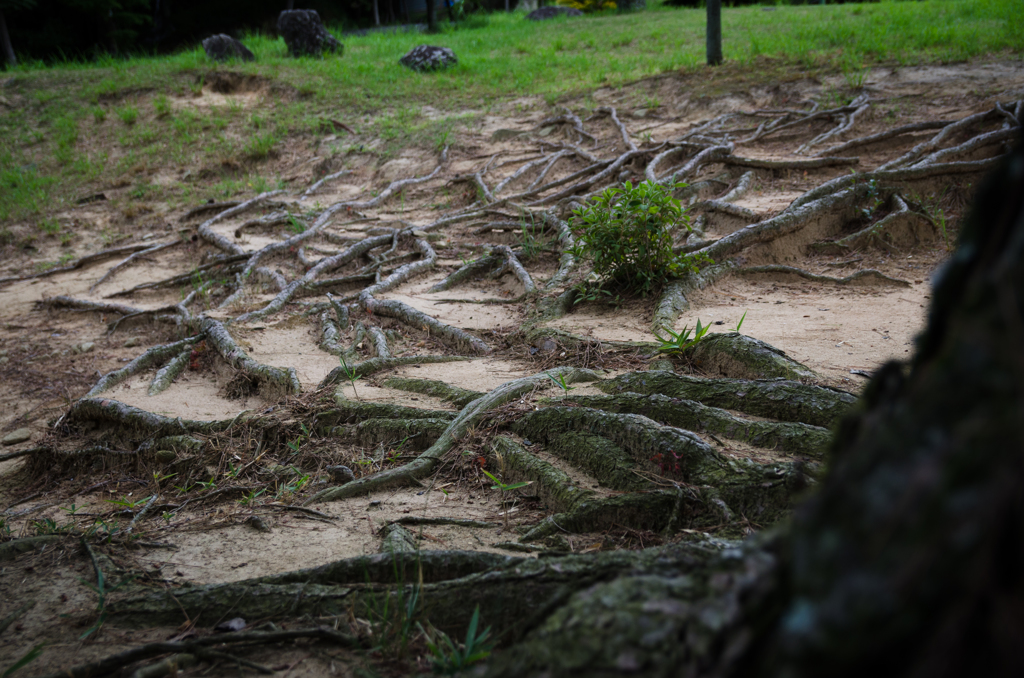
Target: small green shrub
626 233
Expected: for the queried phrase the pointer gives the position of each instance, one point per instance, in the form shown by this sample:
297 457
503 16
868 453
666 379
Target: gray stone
305 34
132 342
341 474
165 456
222 47
84 347
545 13
505 134
429 58
15 437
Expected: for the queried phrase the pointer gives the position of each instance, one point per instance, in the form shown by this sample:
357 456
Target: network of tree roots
639 457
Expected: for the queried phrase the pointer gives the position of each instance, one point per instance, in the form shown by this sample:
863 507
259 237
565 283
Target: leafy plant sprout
560 382
101 590
740 323
350 375
681 341
503 487
128 503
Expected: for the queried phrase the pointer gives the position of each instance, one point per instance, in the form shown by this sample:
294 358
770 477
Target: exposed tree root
673 302
458 339
122 659
157 355
459 397
792 437
469 416
273 378
791 270
78 263
779 399
373 365
143 422
735 355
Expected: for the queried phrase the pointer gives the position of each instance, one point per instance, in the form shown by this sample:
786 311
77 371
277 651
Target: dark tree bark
431 19
714 32
5 42
376 13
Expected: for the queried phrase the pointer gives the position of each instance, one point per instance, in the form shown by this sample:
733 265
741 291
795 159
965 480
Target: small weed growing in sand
530 244
98 114
25 660
250 498
350 375
101 590
448 658
740 323
503 487
396 622
296 226
626 234
681 341
128 503
160 477
560 382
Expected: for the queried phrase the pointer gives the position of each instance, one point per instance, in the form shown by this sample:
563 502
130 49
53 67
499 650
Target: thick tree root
154 356
373 365
638 511
555 488
142 422
869 274
415 434
735 355
474 268
468 417
166 375
792 437
778 399
273 380
78 263
131 258
355 411
514 594
459 397
198 647
397 539
457 338
673 302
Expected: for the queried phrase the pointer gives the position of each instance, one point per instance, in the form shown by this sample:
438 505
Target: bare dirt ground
242 513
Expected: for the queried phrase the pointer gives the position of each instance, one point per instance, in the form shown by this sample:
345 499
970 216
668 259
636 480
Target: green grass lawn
86 121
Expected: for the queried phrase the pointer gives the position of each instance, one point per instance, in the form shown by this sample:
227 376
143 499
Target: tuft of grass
162 106
128 114
260 146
